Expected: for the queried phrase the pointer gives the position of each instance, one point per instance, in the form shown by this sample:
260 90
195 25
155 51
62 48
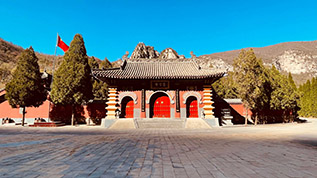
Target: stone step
47 124
160 123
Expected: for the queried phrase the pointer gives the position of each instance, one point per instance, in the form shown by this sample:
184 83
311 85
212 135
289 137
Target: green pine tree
93 63
313 99
100 89
105 64
284 96
72 81
226 87
291 81
305 99
26 88
251 79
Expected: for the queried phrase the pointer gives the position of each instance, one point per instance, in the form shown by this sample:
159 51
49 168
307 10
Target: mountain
298 58
146 52
142 51
8 59
9 51
9 56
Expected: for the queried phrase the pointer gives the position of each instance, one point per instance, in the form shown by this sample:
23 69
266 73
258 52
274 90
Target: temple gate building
147 89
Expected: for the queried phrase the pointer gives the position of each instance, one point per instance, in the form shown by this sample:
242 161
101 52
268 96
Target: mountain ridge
299 58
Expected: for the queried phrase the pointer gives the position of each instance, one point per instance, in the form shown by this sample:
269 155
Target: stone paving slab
279 150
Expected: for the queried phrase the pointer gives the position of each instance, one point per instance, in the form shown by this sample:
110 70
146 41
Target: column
207 100
177 104
143 103
111 103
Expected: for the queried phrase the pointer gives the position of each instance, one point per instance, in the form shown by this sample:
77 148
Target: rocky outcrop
215 64
298 58
142 51
146 52
168 53
296 62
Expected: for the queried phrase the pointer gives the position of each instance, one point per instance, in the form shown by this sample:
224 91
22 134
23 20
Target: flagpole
54 57
49 106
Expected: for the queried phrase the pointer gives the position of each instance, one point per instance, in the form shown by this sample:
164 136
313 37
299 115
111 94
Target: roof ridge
193 59
123 64
159 70
189 61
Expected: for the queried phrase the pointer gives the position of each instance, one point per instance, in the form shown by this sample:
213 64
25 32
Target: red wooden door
193 108
161 107
129 109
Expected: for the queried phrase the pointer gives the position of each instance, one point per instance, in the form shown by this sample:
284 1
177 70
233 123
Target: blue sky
112 27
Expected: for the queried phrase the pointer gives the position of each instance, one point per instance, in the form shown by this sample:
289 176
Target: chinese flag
61 44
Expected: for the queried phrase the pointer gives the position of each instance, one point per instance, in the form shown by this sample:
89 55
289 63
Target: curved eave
160 77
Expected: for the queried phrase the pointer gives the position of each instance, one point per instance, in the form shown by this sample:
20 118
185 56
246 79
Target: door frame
121 107
188 110
153 97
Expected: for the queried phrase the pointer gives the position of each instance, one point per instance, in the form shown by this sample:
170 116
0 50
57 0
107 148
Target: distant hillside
269 52
9 55
9 51
8 58
299 58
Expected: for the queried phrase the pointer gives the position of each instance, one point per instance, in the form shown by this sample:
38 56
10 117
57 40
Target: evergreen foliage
93 63
314 97
26 87
291 81
284 97
308 98
105 64
252 82
100 89
72 81
226 87
271 96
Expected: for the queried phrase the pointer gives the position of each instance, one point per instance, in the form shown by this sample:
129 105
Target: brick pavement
288 150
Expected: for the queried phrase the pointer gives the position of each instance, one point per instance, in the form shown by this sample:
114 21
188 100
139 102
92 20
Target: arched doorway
127 107
160 106
191 107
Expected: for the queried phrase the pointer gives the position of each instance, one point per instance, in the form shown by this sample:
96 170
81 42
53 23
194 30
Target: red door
129 109
193 108
161 107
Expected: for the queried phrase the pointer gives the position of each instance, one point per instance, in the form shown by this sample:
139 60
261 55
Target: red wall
92 110
181 99
31 112
240 109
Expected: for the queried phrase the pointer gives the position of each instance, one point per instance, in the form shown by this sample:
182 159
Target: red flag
61 44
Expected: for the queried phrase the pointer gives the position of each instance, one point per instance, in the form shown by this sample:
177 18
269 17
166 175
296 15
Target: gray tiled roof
158 70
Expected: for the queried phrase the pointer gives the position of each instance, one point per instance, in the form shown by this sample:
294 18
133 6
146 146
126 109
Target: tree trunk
73 114
256 120
246 117
23 115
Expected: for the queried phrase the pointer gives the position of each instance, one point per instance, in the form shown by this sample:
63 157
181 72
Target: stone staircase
47 124
159 123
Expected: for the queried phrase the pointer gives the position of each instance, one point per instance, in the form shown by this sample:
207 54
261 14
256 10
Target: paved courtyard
279 150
